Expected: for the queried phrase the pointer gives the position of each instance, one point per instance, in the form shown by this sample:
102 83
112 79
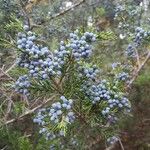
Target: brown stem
138 71
121 145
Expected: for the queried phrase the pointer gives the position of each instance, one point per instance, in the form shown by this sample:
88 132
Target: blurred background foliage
47 18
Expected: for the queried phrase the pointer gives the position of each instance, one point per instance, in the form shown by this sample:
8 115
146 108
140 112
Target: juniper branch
29 112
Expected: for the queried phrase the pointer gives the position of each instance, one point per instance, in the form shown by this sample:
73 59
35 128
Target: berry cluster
89 72
43 64
123 76
58 108
113 100
52 147
116 103
40 119
125 10
25 41
7 6
118 10
89 37
41 114
59 58
58 112
22 85
37 59
115 64
112 140
98 92
79 46
134 12
130 51
122 25
74 141
48 134
141 34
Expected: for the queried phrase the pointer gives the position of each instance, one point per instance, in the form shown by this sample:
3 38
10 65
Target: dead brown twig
61 13
66 10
